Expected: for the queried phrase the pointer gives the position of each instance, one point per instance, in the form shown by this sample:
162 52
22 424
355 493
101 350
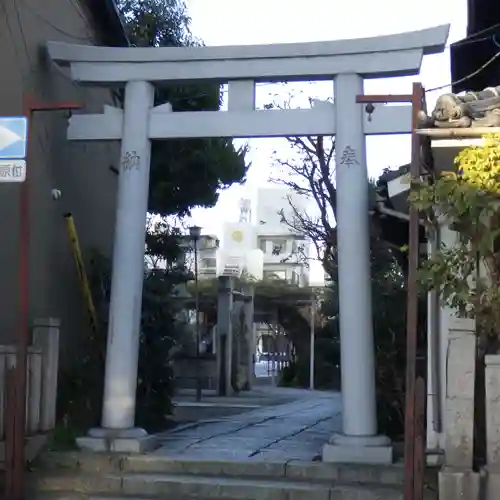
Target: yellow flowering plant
466 274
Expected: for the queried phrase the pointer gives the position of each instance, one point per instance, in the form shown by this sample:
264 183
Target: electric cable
472 39
37 13
469 76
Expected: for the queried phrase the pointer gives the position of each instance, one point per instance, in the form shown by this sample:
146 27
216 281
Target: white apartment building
286 251
207 256
264 224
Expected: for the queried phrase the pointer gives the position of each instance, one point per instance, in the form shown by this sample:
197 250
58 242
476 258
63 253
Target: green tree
185 172
467 274
157 23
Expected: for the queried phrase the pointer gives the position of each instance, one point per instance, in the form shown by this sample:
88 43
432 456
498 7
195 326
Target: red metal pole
412 307
10 414
420 438
18 462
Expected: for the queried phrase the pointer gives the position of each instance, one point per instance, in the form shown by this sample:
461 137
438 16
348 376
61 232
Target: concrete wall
80 171
186 372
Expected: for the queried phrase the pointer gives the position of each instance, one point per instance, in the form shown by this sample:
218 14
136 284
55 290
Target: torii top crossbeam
391 55
242 67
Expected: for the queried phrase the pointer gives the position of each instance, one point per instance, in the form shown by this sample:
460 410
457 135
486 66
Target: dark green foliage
389 329
81 387
326 365
156 22
187 173
158 335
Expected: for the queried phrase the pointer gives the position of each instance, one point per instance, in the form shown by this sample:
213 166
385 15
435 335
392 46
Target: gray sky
245 22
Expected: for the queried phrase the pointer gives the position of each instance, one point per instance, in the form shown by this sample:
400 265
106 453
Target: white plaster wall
238 238
270 201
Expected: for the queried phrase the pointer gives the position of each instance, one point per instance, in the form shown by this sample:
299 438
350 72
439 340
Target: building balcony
206 273
268 230
282 259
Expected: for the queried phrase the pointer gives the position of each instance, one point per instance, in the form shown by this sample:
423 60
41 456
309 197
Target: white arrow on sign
7 137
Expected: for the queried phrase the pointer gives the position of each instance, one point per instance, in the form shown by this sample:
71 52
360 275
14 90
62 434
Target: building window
273 275
209 263
210 243
295 278
278 246
263 245
267 344
297 248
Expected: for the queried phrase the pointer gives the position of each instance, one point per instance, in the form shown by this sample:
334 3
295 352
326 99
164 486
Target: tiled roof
390 175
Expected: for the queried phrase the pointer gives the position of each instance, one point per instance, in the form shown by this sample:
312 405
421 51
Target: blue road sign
13 137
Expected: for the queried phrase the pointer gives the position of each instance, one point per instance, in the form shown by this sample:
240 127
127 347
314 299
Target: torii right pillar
359 441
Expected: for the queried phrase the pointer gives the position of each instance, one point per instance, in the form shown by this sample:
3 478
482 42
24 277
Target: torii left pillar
118 432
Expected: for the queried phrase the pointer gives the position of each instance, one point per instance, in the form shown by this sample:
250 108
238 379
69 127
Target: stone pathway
292 431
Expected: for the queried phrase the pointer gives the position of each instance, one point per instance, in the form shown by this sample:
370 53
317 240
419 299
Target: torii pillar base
118 441
344 449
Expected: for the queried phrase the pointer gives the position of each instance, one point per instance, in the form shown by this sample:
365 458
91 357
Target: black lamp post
195 233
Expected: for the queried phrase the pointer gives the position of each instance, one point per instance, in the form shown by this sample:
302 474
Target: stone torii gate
346 63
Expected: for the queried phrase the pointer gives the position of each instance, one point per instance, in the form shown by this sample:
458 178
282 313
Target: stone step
61 495
294 470
188 486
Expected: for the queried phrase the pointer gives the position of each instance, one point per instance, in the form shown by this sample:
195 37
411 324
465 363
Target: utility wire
38 14
81 10
469 40
25 75
469 76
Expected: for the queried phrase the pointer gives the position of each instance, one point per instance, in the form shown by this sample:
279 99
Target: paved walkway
293 431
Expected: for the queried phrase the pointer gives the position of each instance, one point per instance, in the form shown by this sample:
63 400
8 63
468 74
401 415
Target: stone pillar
492 382
459 404
359 441
224 335
249 339
492 376
118 419
46 337
238 360
312 345
457 479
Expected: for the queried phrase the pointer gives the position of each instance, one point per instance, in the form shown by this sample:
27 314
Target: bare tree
309 172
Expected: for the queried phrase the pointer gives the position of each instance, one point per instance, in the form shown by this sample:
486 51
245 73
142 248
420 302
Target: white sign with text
12 171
